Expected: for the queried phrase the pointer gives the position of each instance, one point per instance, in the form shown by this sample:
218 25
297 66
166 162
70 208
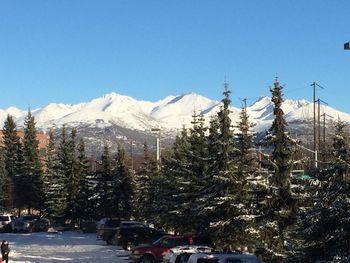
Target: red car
155 252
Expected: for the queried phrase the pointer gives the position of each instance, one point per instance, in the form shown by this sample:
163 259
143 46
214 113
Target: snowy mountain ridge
170 113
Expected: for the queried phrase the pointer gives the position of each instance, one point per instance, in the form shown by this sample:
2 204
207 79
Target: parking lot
61 247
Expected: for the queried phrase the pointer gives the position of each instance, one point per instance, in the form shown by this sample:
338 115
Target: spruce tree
248 184
11 142
54 182
208 193
222 188
19 182
193 181
172 190
145 209
325 230
280 211
85 204
5 186
105 199
32 172
65 166
72 177
123 185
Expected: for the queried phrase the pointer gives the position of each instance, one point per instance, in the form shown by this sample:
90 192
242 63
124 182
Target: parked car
130 236
233 257
156 251
30 223
181 254
5 222
106 231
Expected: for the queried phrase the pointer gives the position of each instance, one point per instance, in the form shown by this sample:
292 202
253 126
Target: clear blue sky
71 51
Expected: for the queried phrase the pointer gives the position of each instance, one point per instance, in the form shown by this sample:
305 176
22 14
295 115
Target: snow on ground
61 247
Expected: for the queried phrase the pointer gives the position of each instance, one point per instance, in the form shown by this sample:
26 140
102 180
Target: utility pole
324 125
314 85
244 103
319 122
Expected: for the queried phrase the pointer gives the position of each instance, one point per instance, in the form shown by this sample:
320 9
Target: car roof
194 249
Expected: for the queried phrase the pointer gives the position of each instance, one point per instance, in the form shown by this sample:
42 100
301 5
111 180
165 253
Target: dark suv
156 251
107 231
131 236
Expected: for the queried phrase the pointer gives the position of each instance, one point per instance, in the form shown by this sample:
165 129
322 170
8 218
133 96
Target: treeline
61 183
212 181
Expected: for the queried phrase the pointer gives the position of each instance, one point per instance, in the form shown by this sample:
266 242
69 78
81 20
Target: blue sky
71 51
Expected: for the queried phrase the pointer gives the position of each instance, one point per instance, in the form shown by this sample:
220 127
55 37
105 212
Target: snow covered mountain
114 116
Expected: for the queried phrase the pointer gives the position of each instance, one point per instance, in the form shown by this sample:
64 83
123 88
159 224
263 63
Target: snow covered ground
61 247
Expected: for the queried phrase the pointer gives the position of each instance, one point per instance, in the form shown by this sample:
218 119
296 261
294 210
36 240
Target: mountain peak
169 113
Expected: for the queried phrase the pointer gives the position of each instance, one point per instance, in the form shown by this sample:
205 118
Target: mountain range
114 117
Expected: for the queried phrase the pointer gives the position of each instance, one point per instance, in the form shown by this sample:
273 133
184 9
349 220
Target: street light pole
158 147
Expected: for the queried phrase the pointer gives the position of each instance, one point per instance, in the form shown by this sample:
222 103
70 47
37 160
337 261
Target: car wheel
147 259
112 240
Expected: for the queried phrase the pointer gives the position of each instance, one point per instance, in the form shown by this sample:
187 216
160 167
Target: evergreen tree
226 188
171 195
85 204
105 199
123 185
326 227
72 177
65 165
193 181
248 185
32 173
54 182
19 182
280 211
146 209
208 193
11 142
5 187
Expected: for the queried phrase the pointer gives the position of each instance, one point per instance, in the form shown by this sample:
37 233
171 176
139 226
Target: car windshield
131 224
174 242
113 223
4 218
27 218
183 258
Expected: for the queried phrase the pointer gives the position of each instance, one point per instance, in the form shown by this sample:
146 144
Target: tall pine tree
123 185
12 167
105 199
280 210
146 209
85 204
54 182
32 172
5 187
